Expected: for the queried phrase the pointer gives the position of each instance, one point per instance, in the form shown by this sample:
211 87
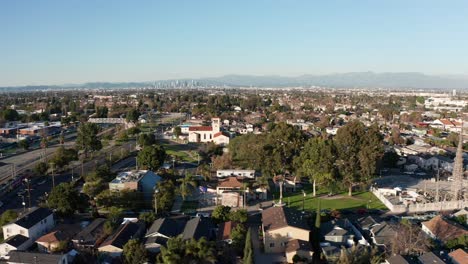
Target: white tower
216 124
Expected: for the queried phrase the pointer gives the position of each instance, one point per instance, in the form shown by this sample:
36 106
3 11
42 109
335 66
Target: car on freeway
21 192
42 182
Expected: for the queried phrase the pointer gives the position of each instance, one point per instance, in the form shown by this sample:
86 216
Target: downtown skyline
55 42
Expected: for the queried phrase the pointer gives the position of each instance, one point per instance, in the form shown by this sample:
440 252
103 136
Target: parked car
42 182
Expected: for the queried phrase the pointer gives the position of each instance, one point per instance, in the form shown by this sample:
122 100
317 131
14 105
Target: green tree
64 198
187 185
133 115
87 139
10 115
101 112
248 249
177 131
7 217
221 214
359 149
41 168
63 156
189 251
317 161
147 217
238 234
146 139
165 195
134 252
239 216
151 157
24 144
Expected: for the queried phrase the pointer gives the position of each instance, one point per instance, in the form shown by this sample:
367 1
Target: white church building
204 134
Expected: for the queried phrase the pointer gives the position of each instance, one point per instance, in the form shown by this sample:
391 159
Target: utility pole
29 191
156 201
53 176
72 172
437 187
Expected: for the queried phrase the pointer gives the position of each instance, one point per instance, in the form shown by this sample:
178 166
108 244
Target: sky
76 41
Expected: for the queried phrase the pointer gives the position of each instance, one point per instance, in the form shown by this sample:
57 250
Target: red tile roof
231 182
220 133
201 128
459 256
225 230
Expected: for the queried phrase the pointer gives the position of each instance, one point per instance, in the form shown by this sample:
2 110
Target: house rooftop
444 229
459 256
168 227
397 259
225 229
279 217
33 257
92 232
124 233
16 240
430 258
32 217
230 182
297 244
197 227
129 176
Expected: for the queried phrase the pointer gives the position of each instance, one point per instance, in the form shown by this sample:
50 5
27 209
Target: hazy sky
66 41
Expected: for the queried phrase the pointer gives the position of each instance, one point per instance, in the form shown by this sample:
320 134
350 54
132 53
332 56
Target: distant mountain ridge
410 80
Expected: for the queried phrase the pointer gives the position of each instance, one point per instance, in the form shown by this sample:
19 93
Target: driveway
261 257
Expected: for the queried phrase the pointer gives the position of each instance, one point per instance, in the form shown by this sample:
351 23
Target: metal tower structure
457 185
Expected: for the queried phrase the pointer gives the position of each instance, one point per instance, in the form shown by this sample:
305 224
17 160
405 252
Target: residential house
114 244
55 239
338 232
16 242
430 258
230 192
161 230
300 248
34 223
382 234
21 257
144 181
458 256
91 236
281 225
225 230
396 259
197 228
442 229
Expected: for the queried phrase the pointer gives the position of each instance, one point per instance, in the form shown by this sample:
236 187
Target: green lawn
339 201
184 152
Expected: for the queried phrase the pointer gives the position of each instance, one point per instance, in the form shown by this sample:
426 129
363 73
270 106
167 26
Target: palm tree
186 185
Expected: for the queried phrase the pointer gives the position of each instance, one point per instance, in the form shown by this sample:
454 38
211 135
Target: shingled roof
16 240
197 227
33 217
279 217
124 233
444 229
168 227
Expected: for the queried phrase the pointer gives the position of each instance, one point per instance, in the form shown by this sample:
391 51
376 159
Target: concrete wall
278 238
420 207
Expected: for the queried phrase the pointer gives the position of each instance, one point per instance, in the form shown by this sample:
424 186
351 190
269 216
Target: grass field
183 152
339 201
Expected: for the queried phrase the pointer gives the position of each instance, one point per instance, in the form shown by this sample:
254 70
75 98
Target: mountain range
402 80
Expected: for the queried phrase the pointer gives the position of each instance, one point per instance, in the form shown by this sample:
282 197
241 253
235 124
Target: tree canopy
151 157
64 198
87 139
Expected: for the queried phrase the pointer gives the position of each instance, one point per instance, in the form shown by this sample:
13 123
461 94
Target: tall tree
64 199
133 115
151 157
187 185
87 139
317 161
359 149
134 252
248 249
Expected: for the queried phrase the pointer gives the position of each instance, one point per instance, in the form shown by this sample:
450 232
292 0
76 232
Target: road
21 162
11 200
